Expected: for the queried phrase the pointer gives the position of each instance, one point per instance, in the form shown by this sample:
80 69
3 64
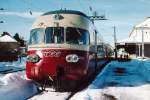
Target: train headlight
72 58
33 58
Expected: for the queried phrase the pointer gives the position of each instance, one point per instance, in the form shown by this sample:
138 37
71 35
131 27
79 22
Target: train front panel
57 63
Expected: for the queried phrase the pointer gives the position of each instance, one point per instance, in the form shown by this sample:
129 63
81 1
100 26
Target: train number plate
51 53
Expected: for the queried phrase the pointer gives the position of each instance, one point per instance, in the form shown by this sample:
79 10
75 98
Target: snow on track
50 94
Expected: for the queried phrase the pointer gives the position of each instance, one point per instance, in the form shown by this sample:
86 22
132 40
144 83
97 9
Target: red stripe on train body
56 61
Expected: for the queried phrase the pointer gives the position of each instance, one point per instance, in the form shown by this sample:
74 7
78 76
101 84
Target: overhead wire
30 5
93 12
7 22
7 10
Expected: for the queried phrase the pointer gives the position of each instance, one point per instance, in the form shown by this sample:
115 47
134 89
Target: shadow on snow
123 74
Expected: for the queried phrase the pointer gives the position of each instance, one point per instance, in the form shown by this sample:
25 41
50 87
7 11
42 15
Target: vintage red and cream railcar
59 46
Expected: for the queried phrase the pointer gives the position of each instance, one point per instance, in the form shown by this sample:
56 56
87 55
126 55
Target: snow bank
120 81
130 74
115 93
13 86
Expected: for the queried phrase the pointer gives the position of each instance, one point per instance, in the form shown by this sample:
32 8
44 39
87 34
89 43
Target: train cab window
54 35
36 36
77 36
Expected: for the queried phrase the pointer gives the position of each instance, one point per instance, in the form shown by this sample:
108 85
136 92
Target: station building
138 42
8 48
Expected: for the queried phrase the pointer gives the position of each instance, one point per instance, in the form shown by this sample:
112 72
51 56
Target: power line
30 5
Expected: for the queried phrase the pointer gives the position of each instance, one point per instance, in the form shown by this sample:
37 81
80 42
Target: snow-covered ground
14 85
120 81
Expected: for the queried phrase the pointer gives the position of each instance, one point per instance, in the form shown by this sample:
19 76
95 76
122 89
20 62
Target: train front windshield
36 36
59 35
77 36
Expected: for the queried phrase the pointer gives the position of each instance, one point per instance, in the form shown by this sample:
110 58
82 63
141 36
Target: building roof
136 35
133 40
145 23
7 38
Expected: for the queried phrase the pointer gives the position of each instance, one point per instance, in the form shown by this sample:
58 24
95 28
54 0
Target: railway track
52 93
87 82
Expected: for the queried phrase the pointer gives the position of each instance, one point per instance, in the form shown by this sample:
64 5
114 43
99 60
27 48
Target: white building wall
142 28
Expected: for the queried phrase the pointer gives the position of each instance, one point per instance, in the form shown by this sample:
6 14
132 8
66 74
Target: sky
123 14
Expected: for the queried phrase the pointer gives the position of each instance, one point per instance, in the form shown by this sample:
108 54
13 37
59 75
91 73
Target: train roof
66 12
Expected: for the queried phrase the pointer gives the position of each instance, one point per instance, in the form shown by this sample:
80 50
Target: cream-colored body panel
59 46
69 20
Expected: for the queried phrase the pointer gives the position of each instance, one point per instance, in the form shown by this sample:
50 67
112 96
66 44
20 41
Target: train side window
85 37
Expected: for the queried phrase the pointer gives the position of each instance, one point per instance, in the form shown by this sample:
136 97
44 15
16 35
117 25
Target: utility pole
115 41
95 17
142 42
